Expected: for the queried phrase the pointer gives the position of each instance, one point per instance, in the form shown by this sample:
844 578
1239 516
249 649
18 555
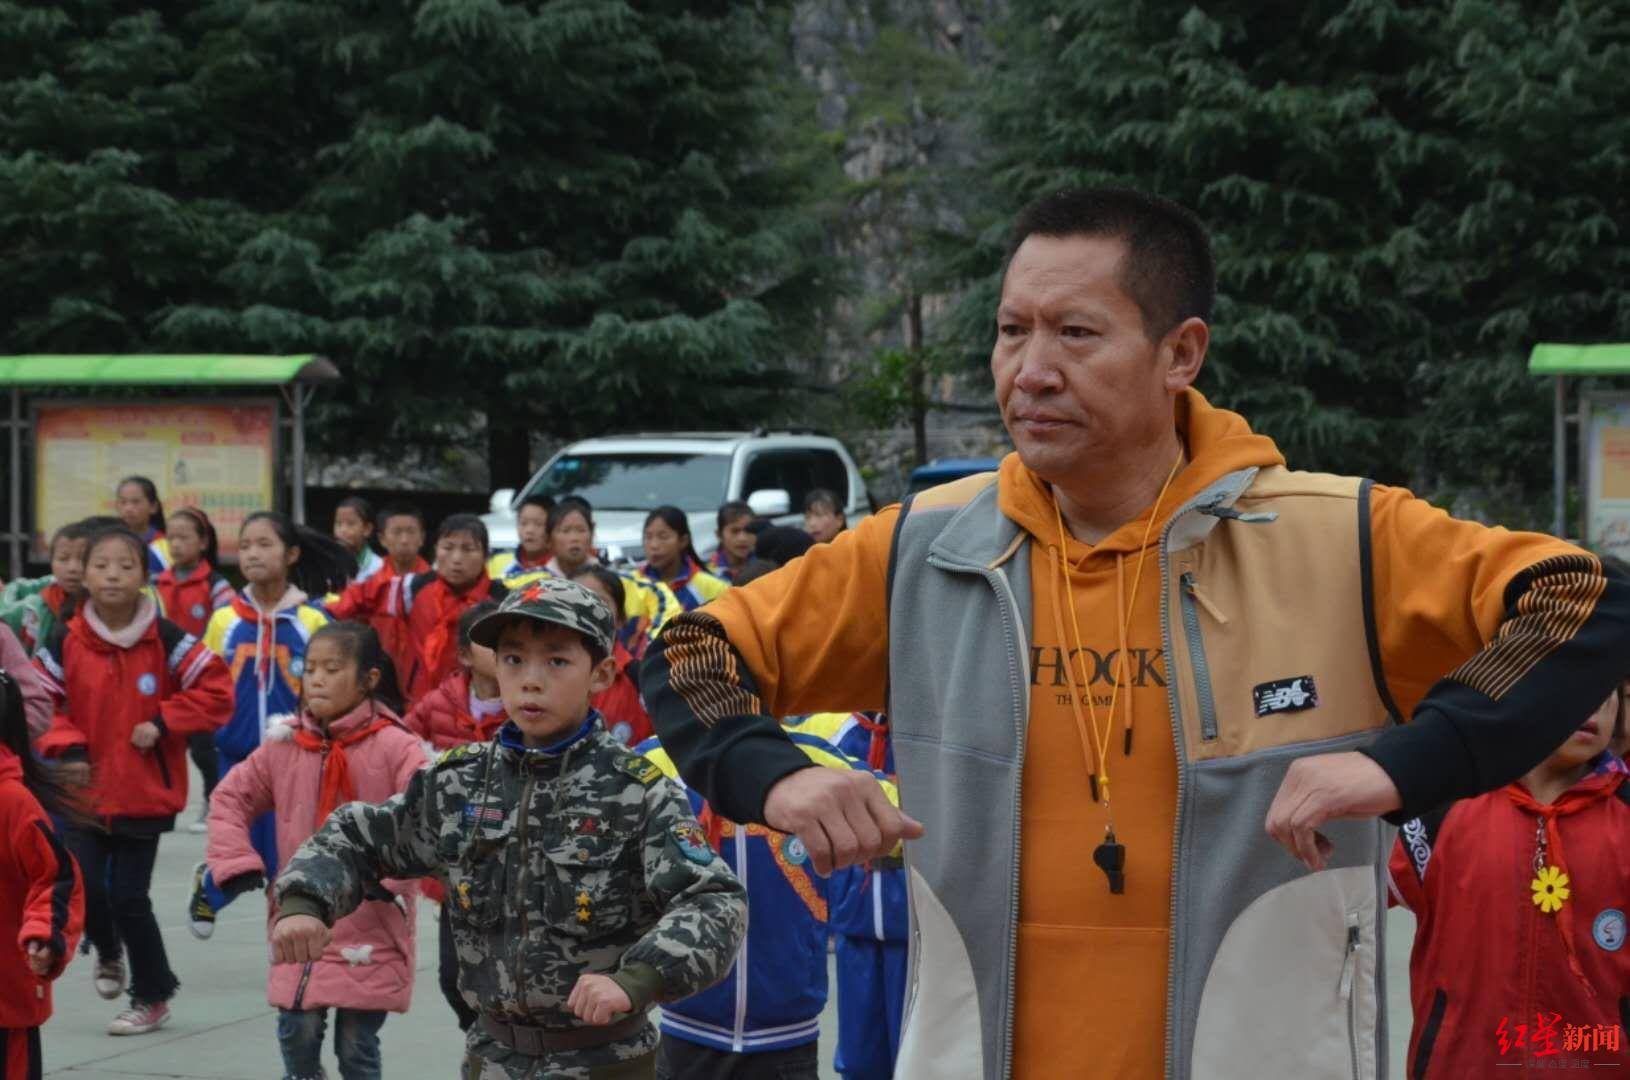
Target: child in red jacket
189 591
1521 896
42 896
465 707
427 606
619 704
129 687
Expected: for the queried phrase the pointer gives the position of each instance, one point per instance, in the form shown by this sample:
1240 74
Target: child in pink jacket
347 744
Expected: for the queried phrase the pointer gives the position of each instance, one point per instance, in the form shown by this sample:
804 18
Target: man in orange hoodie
1146 687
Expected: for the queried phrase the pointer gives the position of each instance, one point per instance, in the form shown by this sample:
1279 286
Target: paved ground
223 1029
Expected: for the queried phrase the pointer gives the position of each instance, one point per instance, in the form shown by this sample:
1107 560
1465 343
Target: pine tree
1404 197
503 218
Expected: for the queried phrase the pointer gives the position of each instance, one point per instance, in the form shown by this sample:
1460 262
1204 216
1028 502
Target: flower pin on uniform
1550 889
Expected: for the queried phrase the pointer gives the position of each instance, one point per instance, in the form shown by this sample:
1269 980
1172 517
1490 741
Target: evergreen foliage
1404 198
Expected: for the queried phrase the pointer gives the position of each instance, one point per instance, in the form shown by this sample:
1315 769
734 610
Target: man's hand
299 939
1320 788
597 999
842 816
144 736
41 958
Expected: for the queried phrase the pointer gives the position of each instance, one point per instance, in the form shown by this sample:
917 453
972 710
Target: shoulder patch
454 755
691 841
640 768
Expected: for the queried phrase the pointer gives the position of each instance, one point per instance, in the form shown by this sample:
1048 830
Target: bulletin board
1606 449
219 456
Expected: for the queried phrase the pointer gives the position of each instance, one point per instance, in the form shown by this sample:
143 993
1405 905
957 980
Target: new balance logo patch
1285 695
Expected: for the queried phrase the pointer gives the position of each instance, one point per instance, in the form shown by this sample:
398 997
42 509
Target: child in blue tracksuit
262 636
871 923
763 1020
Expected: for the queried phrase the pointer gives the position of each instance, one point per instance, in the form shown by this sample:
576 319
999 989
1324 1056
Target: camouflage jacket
588 860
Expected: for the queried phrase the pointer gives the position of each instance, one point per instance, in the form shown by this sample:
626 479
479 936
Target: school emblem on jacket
1285 695
692 842
197 611
147 683
793 850
621 730
1608 930
297 666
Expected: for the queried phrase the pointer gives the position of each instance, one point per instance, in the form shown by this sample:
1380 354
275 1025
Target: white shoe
109 977
140 1018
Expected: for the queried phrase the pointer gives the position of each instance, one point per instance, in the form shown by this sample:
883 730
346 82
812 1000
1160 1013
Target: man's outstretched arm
811 637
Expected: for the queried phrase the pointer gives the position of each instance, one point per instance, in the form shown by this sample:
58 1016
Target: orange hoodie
1092 965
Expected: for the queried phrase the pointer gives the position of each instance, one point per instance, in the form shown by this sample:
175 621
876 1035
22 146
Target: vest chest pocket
588 882
476 880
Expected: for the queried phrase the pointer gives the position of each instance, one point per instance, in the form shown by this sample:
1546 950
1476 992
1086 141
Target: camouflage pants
631 1059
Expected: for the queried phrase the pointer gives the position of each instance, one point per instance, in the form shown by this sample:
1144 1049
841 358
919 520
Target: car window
638 481
798 471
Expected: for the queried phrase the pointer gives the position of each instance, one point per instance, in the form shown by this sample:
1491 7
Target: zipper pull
1192 587
1216 509
1349 964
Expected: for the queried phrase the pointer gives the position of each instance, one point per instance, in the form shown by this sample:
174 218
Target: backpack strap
1366 570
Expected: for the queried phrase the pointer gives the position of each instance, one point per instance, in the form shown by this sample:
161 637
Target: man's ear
1185 347
603 675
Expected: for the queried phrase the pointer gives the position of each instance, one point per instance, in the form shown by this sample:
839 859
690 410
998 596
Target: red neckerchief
54 596
337 787
445 608
1582 796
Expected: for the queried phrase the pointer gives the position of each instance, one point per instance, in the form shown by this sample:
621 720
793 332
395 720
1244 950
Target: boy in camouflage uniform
582 889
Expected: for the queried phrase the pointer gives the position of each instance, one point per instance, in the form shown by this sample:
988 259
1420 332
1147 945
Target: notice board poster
217 456
1607 473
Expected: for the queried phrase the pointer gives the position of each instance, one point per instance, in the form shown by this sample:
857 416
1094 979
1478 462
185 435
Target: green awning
1553 359
166 370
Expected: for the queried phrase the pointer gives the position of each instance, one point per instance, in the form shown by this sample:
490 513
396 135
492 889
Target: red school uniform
189 599
104 684
443 718
1494 980
619 704
42 898
426 612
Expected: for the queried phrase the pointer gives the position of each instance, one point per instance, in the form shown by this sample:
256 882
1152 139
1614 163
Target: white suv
625 477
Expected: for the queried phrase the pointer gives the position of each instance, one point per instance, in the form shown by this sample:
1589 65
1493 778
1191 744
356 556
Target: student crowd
379 728
348 669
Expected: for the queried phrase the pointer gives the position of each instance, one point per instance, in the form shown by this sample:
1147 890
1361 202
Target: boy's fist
41 958
299 939
597 999
144 736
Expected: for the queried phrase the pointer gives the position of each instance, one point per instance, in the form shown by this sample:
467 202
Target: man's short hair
1168 269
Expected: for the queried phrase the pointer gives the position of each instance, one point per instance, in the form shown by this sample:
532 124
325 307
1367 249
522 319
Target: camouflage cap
551 600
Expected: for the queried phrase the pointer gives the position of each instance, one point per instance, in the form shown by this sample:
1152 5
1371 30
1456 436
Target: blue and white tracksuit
870 917
773 995
266 653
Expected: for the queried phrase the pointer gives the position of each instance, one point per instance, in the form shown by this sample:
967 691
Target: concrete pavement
222 1028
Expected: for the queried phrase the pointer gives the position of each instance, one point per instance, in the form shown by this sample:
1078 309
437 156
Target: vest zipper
520 879
1008 604
1197 657
1349 973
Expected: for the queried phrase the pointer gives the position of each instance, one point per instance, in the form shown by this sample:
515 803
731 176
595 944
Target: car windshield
638 481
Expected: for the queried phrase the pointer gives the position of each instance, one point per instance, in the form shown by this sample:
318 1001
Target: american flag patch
485 815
